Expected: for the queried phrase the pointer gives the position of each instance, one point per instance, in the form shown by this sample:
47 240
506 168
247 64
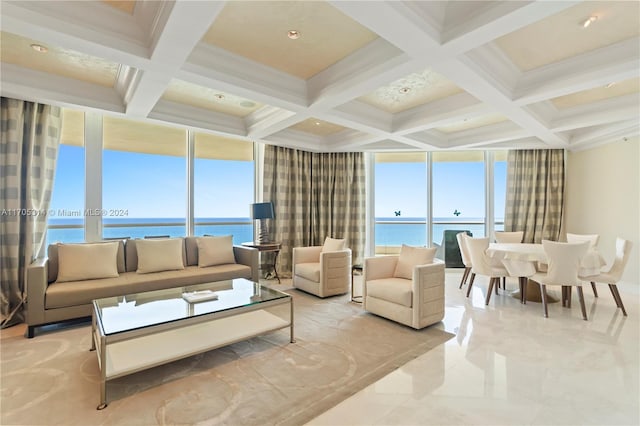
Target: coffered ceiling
359 76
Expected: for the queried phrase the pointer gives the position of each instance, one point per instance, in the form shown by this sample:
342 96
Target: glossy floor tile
508 365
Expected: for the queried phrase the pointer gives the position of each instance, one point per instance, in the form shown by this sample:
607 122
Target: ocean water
389 231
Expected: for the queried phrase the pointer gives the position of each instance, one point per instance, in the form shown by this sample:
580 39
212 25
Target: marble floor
508 365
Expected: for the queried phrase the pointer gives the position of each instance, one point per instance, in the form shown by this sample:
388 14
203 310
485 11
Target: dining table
523 258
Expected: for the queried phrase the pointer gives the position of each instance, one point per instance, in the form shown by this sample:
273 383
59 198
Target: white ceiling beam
38 86
605 111
296 139
603 131
223 124
499 132
92 28
360 116
219 69
437 113
498 19
180 28
613 63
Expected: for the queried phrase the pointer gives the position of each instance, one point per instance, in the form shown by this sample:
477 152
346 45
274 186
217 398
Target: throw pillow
156 255
215 251
87 261
333 244
411 257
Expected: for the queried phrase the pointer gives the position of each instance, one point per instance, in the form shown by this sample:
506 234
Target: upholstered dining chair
464 254
323 270
563 262
482 264
407 288
508 237
614 273
593 242
513 237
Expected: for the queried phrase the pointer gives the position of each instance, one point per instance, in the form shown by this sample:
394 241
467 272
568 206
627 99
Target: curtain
315 195
30 135
535 193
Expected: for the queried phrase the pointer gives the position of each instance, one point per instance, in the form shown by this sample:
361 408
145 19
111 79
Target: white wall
603 192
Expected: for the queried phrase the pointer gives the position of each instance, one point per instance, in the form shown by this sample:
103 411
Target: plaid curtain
28 152
535 193
315 195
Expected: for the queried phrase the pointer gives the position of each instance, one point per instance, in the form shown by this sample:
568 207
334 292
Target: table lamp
262 212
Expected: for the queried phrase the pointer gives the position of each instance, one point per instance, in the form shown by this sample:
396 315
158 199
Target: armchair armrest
379 267
428 293
37 282
306 254
248 256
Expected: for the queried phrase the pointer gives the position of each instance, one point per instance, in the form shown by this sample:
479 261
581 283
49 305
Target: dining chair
509 237
593 242
464 254
563 262
482 264
614 273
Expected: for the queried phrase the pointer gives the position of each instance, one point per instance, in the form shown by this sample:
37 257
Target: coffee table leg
291 339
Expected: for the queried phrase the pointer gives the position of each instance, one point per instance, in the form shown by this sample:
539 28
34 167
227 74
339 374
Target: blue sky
155 186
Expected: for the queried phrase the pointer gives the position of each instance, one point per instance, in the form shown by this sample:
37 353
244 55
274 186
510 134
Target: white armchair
323 273
416 302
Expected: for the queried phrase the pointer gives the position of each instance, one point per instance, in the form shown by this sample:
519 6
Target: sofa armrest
379 267
248 256
37 282
336 260
306 254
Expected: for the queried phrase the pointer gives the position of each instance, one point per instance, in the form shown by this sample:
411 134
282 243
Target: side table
267 248
354 298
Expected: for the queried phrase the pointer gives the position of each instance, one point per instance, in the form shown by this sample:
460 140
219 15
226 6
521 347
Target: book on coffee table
199 296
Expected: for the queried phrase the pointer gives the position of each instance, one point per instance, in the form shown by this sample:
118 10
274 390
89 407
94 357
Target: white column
429 160
93 176
190 158
489 225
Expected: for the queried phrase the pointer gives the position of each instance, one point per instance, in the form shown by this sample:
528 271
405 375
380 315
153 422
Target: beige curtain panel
535 193
315 195
28 154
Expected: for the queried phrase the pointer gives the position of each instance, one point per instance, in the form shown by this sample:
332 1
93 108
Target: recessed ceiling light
613 83
247 104
39 48
317 123
405 90
590 20
293 34
219 96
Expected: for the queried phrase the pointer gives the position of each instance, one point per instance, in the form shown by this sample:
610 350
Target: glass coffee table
138 331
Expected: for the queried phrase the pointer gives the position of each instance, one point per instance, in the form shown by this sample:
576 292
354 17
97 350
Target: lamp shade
262 211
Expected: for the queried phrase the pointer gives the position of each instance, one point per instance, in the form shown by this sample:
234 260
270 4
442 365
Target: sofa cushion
215 251
191 248
156 255
131 253
333 244
395 290
78 262
410 257
52 254
61 295
309 271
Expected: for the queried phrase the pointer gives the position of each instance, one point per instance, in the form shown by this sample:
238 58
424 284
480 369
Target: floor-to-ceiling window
65 217
223 187
400 201
458 193
144 177
499 188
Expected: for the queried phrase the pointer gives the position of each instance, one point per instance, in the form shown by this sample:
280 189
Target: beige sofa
49 301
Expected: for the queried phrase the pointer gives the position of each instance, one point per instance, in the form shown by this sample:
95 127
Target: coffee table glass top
139 310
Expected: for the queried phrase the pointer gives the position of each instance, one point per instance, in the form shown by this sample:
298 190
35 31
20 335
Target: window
144 179
400 201
499 188
223 187
65 218
458 193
